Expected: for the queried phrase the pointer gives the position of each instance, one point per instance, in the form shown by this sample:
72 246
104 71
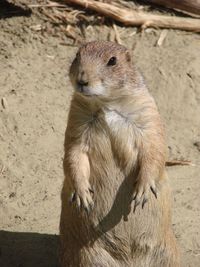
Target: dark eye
112 61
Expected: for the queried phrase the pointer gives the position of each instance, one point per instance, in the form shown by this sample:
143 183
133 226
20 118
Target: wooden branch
192 6
138 18
178 163
51 4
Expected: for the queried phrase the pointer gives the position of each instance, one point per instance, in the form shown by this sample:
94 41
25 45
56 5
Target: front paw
81 198
142 190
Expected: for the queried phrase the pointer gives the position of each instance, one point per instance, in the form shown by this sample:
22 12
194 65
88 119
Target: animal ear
128 56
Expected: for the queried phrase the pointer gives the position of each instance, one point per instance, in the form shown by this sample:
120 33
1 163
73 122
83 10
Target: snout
82 85
82 81
88 85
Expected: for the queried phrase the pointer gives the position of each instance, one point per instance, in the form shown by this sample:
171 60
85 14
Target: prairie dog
116 202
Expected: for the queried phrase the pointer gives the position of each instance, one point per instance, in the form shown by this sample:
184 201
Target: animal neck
123 103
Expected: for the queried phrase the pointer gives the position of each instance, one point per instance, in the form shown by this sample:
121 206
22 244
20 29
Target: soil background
34 82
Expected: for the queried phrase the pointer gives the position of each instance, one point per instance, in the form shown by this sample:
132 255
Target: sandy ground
34 82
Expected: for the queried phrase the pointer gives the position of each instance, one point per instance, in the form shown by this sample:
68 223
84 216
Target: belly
112 156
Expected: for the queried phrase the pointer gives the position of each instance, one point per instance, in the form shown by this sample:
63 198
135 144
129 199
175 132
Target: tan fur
114 161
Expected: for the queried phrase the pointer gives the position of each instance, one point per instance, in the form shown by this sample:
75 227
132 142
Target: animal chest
123 138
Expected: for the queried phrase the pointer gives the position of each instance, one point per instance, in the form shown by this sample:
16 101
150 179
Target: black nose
82 83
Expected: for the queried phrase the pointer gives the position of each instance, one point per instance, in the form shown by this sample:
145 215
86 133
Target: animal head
100 68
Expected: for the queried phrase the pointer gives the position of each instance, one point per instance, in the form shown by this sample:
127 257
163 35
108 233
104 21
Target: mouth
83 90
87 90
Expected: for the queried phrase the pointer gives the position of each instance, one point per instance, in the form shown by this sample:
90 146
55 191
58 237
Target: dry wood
53 19
71 33
117 36
139 18
51 4
192 6
37 27
178 163
162 37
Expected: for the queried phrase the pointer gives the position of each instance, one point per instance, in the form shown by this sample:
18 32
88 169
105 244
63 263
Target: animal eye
112 61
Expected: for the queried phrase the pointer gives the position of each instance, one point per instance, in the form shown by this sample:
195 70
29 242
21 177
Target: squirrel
116 200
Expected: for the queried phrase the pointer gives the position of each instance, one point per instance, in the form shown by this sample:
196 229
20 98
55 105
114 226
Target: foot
143 188
81 198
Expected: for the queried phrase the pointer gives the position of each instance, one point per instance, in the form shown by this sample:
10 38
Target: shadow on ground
8 10
28 250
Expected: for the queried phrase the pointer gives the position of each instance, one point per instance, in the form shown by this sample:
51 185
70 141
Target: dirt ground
36 93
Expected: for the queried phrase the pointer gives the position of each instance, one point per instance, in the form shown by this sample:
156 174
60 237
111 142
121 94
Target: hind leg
97 257
166 255
85 259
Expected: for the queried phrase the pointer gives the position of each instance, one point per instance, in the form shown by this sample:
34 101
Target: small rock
197 144
17 217
4 103
12 195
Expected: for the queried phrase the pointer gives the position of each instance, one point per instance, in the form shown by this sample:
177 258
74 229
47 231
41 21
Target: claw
87 210
134 197
137 202
78 203
91 190
154 191
91 206
72 197
144 202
